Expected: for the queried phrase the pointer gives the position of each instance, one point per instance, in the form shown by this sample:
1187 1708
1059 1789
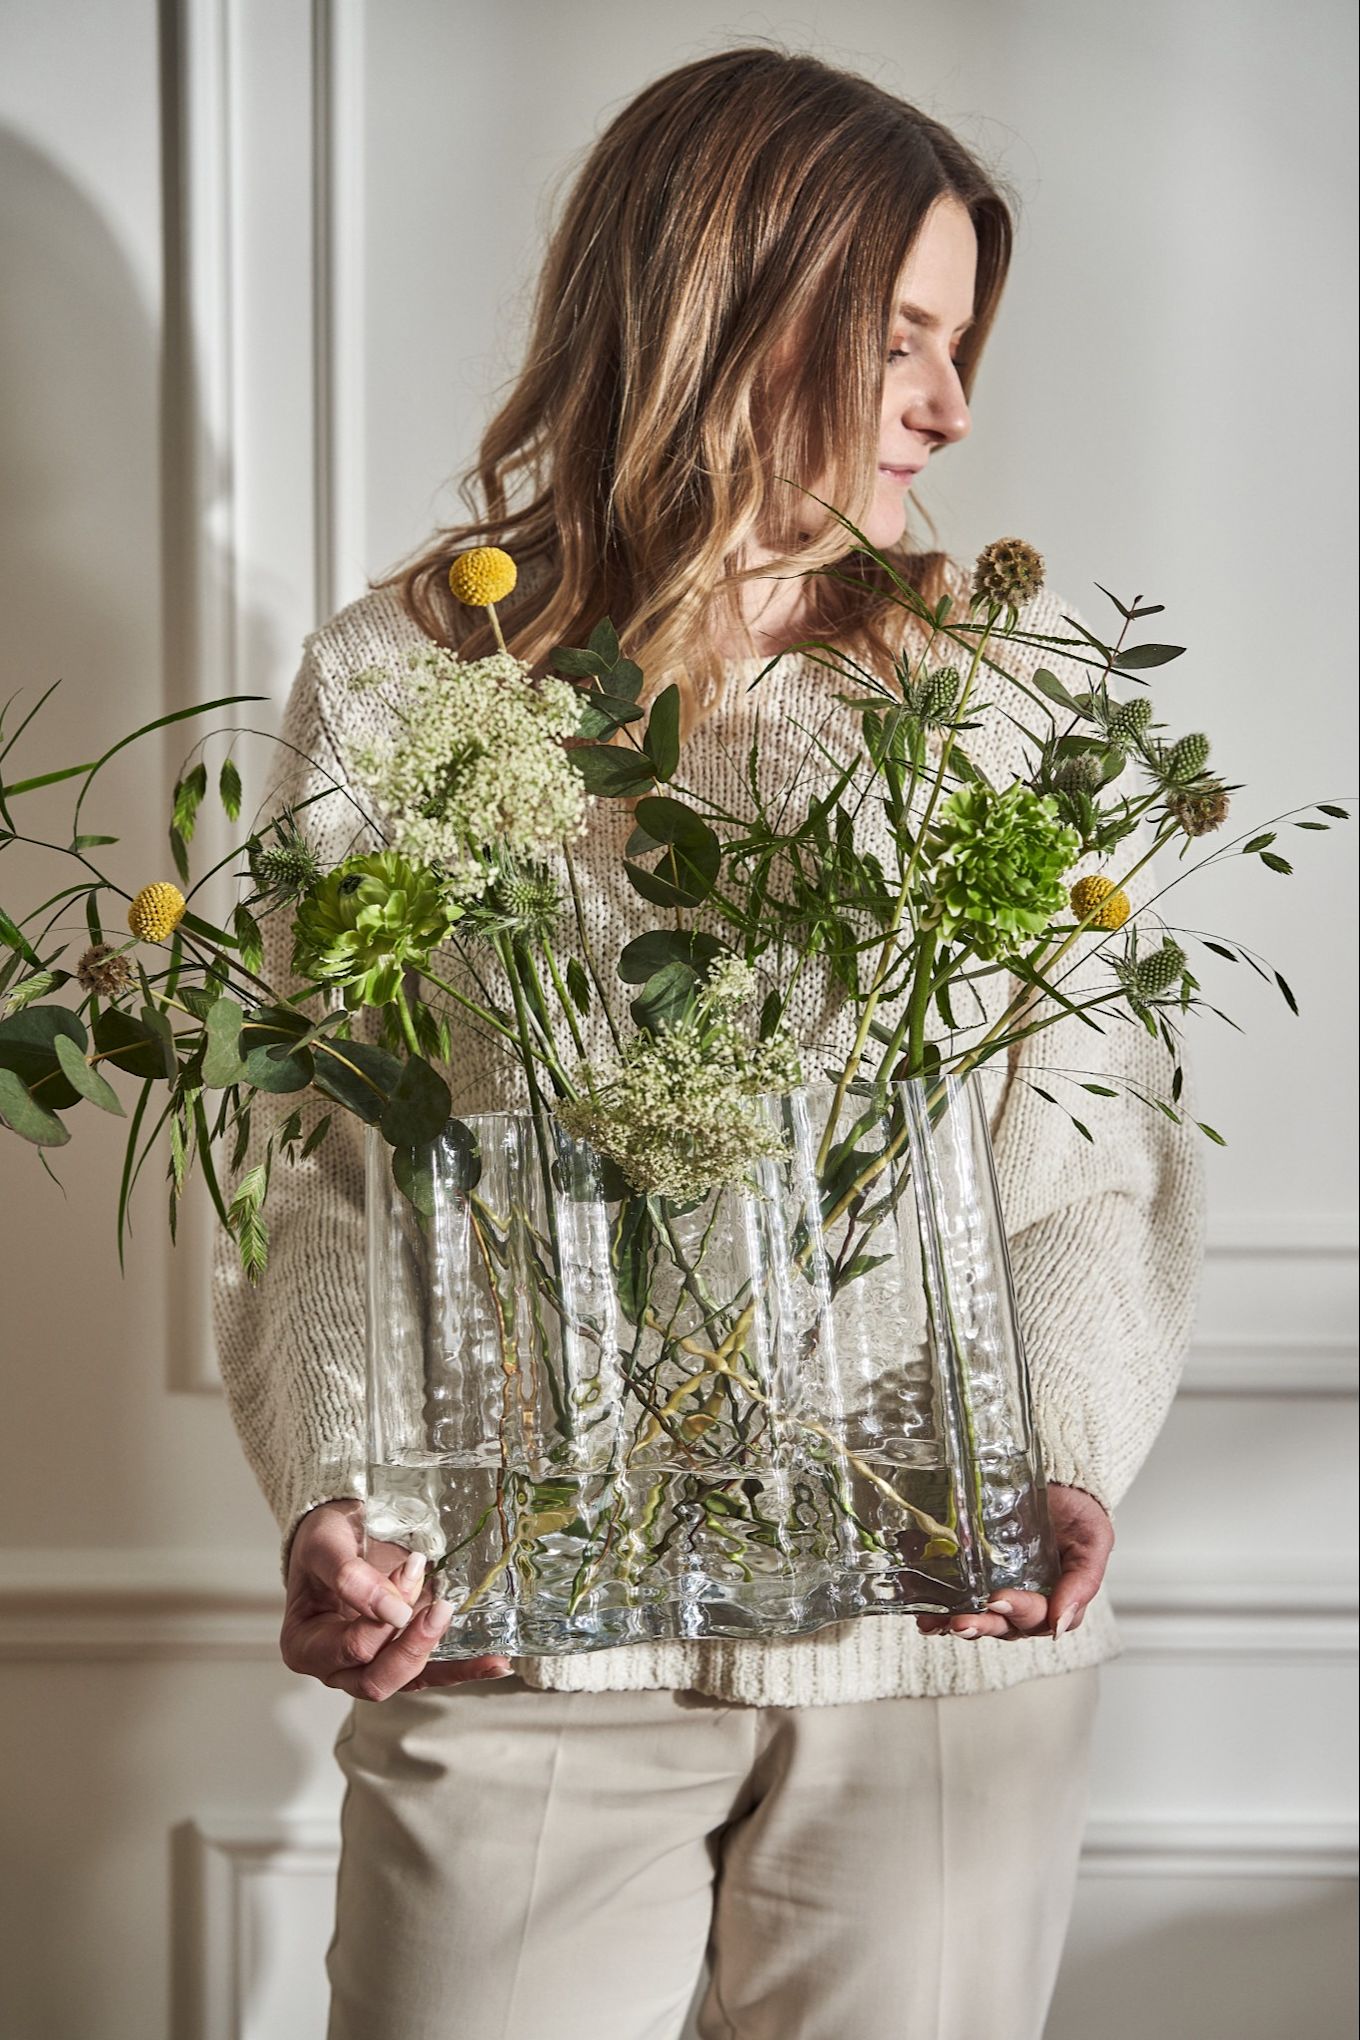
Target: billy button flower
156 912
482 577
1098 901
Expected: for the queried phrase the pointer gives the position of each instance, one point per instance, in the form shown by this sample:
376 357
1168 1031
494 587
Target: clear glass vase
607 1417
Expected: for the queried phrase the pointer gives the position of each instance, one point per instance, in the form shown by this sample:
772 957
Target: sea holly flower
1154 975
371 919
997 863
286 868
477 768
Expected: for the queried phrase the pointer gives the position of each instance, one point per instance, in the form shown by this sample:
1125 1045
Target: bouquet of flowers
662 1353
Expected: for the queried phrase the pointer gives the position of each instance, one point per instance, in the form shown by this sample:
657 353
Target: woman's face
924 407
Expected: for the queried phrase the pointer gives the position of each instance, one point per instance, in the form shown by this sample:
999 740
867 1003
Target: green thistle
997 864
1154 975
1078 775
285 869
1186 759
372 918
1129 722
933 698
525 901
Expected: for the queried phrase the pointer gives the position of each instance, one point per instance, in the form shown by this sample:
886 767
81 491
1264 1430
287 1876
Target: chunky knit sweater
1105 1235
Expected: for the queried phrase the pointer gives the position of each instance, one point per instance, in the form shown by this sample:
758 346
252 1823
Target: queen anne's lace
478 766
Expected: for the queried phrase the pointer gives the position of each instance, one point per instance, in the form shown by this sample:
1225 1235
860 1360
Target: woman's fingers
459 1672
402 1661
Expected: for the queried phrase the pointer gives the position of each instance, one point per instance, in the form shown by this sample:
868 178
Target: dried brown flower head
1201 809
104 971
1008 571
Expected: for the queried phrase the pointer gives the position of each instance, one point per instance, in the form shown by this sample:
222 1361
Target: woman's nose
937 408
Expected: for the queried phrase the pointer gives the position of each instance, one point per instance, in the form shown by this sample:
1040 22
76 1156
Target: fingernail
412 1568
1063 1622
1000 1608
438 1616
970 1633
391 1608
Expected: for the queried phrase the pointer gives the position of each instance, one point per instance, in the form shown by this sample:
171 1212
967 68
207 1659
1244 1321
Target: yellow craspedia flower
1101 900
484 574
156 912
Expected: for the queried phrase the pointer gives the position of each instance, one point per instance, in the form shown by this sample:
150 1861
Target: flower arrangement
907 877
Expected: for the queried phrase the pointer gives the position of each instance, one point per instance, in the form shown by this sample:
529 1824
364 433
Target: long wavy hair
752 206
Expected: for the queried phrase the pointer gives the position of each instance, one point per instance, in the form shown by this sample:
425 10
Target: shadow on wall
101 535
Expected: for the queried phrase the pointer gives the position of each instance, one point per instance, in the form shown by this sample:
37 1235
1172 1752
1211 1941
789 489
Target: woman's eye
897 353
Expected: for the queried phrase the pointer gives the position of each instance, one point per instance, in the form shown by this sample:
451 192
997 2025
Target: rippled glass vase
607 1418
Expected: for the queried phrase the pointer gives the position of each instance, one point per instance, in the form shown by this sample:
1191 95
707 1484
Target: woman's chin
886 523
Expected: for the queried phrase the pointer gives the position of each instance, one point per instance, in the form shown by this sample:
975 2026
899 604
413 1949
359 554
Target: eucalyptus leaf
419 1107
663 732
604 641
86 1080
31 1121
613 771
665 998
128 1044
576 663
28 1048
1137 658
648 953
413 1174
691 855
602 714
356 1075
223 1063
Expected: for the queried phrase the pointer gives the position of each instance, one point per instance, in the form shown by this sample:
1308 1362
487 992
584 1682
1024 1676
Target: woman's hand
350 1622
1085 1538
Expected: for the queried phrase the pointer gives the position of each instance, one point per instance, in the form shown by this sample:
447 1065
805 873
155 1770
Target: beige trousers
518 1865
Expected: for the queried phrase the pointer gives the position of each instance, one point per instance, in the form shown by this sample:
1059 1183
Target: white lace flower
477 766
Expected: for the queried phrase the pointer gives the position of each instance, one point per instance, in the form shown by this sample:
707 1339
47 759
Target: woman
772 278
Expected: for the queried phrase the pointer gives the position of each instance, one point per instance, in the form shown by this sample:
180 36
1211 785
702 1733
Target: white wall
240 357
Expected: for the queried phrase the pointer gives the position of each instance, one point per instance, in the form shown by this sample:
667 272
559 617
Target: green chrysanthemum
997 866
366 923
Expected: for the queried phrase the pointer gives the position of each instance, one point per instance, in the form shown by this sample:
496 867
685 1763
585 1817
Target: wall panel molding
141 1605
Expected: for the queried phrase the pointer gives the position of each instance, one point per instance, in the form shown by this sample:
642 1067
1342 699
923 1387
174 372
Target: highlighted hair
751 203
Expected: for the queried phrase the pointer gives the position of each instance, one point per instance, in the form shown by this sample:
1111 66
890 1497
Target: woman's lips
904 475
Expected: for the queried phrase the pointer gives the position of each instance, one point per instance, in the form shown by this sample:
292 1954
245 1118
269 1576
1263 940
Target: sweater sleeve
1105 1235
291 1348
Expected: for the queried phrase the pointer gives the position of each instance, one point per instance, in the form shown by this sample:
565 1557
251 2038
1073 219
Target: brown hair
745 199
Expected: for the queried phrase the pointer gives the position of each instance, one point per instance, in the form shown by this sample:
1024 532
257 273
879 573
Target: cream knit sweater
1105 1236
